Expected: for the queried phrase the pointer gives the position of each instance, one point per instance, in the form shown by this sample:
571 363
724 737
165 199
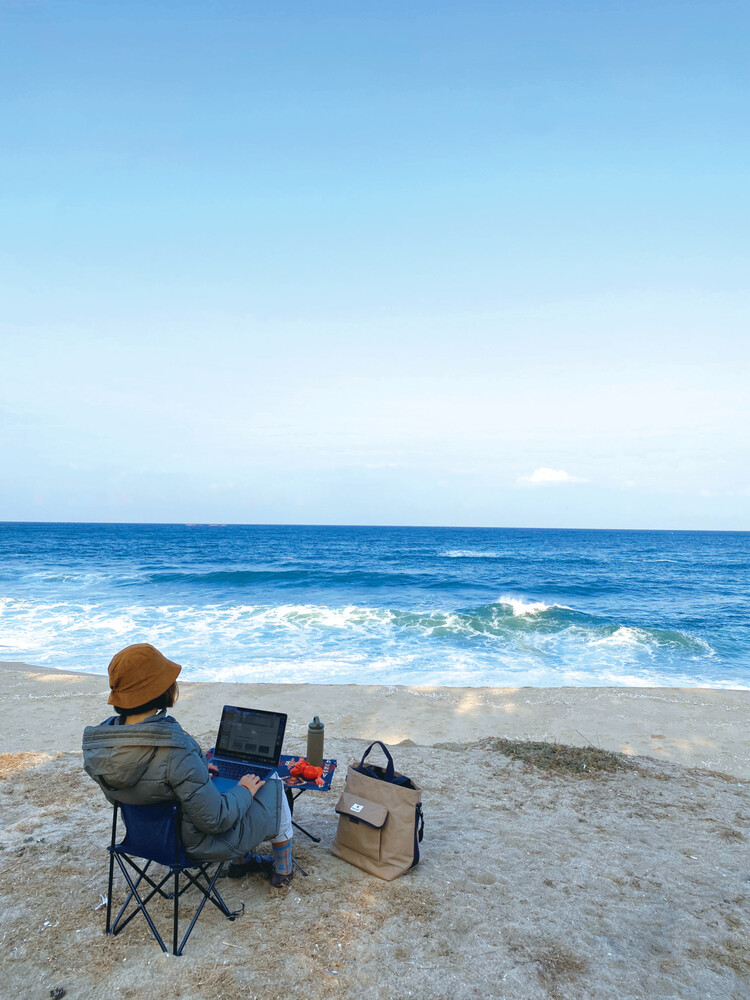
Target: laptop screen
249 734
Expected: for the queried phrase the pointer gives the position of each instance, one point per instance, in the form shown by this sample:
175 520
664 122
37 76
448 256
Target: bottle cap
316 724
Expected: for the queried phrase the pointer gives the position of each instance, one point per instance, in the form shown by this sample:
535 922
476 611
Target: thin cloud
550 477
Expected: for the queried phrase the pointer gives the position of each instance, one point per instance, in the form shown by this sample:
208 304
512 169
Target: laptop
249 742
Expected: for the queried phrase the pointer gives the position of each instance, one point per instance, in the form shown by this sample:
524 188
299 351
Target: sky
477 263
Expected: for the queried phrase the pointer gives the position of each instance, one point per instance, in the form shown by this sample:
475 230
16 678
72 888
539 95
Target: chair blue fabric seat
152 834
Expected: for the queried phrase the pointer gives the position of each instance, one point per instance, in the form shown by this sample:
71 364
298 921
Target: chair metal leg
212 893
176 912
109 891
117 926
197 913
142 874
141 904
111 869
134 857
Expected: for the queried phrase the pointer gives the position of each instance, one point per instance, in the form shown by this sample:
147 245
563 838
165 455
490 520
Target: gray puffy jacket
157 761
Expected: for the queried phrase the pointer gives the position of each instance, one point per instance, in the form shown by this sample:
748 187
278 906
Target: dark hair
165 700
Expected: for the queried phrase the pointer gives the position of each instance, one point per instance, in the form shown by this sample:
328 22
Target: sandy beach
535 883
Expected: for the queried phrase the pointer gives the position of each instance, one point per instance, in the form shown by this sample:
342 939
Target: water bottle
315 742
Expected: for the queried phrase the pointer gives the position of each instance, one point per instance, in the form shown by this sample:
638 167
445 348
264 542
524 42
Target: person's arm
202 803
251 782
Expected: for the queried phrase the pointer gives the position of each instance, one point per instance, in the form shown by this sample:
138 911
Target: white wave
612 677
625 635
471 554
521 608
70 576
305 617
354 644
631 636
310 670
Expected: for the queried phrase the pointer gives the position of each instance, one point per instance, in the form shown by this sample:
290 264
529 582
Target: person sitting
142 756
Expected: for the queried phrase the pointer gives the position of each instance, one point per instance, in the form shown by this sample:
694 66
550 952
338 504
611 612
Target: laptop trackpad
223 784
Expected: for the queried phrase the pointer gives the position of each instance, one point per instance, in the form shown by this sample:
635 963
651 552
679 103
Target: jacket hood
118 754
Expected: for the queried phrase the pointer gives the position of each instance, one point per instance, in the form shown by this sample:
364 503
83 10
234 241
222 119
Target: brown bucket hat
138 674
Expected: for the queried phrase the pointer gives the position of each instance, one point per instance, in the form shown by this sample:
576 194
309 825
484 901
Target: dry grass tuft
732 953
703 772
215 980
13 763
558 758
558 966
729 833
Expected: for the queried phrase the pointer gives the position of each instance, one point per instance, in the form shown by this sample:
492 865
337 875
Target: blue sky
423 263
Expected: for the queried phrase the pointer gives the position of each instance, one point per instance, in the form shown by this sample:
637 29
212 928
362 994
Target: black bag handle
389 771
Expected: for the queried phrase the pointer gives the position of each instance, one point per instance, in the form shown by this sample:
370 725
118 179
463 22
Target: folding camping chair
152 835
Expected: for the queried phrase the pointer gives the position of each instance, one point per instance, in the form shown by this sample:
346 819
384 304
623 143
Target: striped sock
282 857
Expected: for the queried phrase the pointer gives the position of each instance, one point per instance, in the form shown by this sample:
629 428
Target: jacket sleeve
202 804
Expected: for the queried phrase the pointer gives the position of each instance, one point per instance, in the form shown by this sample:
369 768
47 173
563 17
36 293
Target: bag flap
371 813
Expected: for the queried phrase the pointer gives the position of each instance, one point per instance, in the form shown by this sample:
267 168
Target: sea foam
510 641
388 606
521 608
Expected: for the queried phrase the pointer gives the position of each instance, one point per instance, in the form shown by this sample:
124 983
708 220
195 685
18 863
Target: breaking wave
507 641
383 605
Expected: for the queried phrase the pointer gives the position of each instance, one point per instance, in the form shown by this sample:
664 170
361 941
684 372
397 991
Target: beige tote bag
380 819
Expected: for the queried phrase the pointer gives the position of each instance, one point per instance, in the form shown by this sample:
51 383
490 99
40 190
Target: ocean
383 605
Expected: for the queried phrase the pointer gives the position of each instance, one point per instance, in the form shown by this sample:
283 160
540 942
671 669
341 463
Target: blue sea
383 605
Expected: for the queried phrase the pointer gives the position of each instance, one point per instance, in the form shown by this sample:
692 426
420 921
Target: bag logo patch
356 808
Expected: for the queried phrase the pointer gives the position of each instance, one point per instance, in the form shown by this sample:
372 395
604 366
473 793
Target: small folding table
294 787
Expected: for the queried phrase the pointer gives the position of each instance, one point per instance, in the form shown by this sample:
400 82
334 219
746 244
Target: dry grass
560 759
13 764
557 967
729 833
700 772
732 953
214 980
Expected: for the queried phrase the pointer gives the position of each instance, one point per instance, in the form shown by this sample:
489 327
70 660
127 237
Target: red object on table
294 776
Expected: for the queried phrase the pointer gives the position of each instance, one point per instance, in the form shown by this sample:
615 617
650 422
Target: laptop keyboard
234 771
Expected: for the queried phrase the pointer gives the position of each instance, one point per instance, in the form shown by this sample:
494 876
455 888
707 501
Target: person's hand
213 769
251 782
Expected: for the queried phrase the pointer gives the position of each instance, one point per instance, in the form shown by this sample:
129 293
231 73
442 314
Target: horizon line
433 527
